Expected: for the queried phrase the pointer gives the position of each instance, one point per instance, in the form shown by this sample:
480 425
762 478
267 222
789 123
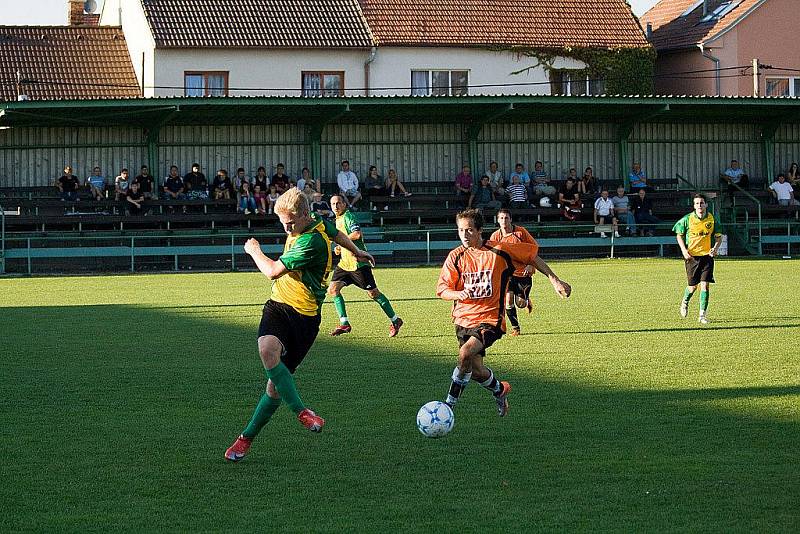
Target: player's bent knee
374 293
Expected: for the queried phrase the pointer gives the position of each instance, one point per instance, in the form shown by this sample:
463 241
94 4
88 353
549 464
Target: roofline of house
57 27
739 19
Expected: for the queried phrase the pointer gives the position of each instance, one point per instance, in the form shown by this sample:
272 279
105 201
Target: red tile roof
257 23
521 23
671 31
65 62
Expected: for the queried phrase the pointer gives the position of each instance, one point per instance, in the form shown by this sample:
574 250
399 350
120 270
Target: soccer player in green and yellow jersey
699 239
351 270
291 317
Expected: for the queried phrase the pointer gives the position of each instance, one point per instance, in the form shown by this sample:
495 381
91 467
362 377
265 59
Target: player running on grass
475 276
694 234
352 271
519 286
291 317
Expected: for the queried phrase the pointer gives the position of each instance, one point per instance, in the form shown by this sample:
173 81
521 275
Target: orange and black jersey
484 272
518 235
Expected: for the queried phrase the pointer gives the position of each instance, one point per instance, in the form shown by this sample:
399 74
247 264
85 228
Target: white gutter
717 79
372 53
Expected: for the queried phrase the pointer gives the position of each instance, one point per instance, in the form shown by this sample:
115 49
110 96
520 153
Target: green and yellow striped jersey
698 234
308 258
347 224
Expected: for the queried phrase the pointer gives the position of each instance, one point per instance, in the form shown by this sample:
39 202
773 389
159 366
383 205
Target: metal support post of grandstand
624 130
428 246
2 240
474 131
233 252
133 254
767 135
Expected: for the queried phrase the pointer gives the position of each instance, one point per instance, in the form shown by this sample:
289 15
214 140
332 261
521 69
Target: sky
36 12
54 12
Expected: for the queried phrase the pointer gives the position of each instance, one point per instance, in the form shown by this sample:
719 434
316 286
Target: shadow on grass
121 415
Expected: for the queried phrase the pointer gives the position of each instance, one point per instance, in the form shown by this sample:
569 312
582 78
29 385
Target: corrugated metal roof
675 26
257 23
520 23
65 62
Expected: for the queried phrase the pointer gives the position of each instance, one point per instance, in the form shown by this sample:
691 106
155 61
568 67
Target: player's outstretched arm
563 289
345 242
271 269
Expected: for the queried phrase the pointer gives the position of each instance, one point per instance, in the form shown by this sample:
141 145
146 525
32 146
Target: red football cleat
395 328
341 329
310 420
239 449
514 331
502 399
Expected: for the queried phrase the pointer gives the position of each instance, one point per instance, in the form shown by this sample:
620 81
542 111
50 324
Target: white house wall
138 37
255 72
490 72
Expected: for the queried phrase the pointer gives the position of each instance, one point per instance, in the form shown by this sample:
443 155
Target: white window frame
794 85
428 90
567 81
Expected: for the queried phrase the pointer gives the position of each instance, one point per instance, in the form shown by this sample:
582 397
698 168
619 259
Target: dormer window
720 11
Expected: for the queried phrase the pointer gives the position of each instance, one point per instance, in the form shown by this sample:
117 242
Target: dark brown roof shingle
65 62
504 23
671 31
257 23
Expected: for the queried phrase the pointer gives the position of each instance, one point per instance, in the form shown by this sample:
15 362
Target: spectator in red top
280 180
463 186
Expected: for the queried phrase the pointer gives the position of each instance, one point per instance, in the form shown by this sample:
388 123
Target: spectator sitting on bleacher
394 185
96 183
173 185
496 180
541 181
588 182
374 185
272 197
320 207
222 188
734 175
569 200
240 178
261 180
482 195
134 199
604 212
280 180
463 185
793 177
121 185
643 211
524 177
622 211
68 185
348 185
782 191
195 183
145 181
307 180
637 177
518 194
260 197
247 203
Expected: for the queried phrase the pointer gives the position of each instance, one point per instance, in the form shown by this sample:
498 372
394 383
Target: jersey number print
479 284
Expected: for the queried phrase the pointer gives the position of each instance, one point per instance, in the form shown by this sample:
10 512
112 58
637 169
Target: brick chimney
75 12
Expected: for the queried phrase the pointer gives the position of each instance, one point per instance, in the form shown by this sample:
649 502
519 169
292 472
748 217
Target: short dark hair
345 161
144 167
474 216
196 165
123 170
699 195
240 169
780 174
261 169
504 210
280 165
173 167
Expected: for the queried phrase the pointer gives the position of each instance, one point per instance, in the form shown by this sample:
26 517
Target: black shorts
520 286
361 277
487 334
700 269
296 331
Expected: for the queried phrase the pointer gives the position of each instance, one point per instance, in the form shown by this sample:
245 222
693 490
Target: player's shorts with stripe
361 277
296 331
520 286
487 334
700 269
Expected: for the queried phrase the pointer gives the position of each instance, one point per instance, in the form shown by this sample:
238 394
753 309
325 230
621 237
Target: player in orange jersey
475 276
519 287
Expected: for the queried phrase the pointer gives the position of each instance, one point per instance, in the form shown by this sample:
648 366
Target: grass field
120 394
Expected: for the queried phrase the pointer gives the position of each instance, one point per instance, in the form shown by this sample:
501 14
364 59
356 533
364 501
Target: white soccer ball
435 419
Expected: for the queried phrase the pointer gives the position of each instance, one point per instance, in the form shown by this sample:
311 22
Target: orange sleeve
495 236
527 237
449 277
521 253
